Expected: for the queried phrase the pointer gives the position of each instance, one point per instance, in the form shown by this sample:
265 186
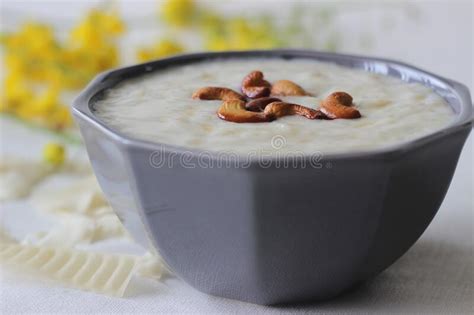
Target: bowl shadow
432 277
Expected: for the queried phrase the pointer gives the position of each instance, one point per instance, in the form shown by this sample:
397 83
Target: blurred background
51 49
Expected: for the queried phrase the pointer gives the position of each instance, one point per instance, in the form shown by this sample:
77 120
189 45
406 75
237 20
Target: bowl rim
81 105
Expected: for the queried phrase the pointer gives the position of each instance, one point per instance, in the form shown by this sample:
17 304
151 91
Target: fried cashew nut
234 110
259 104
217 93
287 88
255 86
279 109
339 105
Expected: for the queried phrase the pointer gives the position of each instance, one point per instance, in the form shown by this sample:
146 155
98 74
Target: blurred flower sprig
161 48
54 153
39 67
219 32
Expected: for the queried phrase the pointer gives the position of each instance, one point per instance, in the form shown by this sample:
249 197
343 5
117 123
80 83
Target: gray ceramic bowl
265 234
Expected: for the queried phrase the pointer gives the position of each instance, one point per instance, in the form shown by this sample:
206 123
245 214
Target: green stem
66 137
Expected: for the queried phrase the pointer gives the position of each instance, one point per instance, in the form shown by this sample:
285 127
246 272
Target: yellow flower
161 49
178 13
48 108
85 35
54 153
211 22
93 45
218 43
33 37
15 92
97 28
45 102
14 62
60 118
239 34
110 22
36 61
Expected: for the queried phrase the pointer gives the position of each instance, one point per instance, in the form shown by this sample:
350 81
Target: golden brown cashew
287 88
217 93
259 104
254 86
339 105
234 110
279 109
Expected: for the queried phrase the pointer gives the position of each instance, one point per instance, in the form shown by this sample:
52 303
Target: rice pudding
159 107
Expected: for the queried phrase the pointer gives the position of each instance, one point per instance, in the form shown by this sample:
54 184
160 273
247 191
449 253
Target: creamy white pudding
158 107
